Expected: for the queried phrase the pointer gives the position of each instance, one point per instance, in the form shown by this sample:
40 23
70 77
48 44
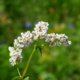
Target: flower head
26 38
57 39
15 55
40 30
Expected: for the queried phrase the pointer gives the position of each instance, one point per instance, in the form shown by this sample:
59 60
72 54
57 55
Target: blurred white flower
40 30
26 38
15 55
57 39
17 44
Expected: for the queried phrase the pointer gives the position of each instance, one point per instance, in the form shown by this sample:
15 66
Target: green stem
27 65
18 72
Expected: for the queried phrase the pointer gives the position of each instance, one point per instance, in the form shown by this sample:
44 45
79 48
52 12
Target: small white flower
40 30
50 37
69 42
57 39
26 38
15 55
18 44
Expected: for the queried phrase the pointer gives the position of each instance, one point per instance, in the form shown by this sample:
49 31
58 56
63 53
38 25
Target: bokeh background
55 63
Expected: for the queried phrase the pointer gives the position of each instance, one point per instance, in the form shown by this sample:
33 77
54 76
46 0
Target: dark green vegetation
55 63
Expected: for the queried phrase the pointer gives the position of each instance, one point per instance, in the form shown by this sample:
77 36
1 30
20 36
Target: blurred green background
55 63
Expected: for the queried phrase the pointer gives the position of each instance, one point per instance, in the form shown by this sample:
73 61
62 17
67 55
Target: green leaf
27 78
16 78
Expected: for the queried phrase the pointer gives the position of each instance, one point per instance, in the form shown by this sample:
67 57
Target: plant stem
18 72
29 60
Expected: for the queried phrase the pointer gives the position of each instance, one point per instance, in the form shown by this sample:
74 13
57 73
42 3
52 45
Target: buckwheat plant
25 39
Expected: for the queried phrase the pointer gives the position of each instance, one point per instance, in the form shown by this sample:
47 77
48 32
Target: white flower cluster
15 52
57 39
15 55
39 32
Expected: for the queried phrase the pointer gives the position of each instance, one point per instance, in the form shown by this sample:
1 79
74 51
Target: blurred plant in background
55 63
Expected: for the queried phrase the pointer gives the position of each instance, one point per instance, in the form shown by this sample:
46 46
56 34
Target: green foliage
55 63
